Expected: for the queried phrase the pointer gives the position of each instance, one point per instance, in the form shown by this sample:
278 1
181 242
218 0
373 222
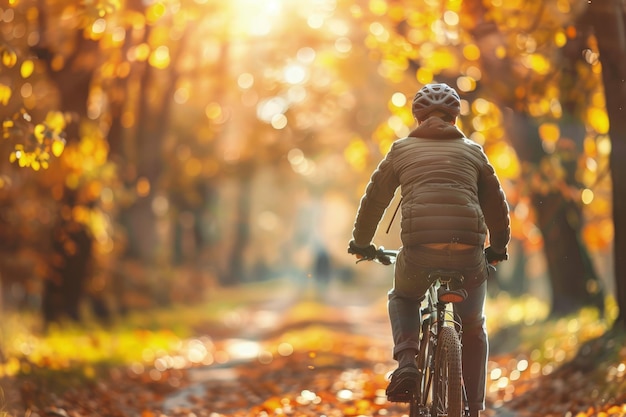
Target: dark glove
368 252
494 257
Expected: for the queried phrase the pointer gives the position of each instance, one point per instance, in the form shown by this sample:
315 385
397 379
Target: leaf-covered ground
278 351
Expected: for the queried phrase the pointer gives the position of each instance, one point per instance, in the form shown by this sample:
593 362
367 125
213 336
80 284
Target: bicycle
440 390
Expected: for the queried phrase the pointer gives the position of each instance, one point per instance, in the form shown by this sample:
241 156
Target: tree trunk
153 123
65 287
559 221
607 18
558 217
573 281
71 242
236 266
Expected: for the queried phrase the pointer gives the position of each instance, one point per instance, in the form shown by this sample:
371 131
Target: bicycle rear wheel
447 388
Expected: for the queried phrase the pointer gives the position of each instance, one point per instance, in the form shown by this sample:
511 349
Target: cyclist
451 201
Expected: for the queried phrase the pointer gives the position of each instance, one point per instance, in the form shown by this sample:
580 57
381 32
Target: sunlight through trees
200 134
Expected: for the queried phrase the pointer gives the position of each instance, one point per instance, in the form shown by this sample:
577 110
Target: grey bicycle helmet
438 96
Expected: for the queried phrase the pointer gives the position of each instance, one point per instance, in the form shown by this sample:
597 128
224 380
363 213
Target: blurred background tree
538 85
194 143
607 22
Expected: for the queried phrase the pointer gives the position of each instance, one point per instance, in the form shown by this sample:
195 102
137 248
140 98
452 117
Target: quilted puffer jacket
450 192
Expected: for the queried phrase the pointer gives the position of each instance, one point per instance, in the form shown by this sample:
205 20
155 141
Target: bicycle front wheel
447 388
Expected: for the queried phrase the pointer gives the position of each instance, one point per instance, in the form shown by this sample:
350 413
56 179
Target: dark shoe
403 383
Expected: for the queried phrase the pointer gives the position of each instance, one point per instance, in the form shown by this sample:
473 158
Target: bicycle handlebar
388 257
382 256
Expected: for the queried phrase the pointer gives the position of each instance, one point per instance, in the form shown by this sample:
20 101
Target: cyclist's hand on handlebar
368 252
493 257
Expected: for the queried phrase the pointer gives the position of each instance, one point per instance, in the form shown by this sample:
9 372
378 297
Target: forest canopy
222 135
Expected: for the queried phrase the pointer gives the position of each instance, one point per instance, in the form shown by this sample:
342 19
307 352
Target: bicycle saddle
447 277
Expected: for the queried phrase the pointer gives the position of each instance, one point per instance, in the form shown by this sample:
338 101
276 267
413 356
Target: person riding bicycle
452 202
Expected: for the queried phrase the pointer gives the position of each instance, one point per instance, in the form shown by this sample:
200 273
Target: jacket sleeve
495 207
378 194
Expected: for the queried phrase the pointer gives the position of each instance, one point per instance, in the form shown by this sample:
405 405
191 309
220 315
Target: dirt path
341 375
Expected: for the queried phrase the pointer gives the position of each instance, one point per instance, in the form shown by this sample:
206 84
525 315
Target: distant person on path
451 201
322 271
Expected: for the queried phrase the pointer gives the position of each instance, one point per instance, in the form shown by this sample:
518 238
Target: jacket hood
436 128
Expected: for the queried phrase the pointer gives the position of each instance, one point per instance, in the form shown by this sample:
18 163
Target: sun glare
260 17
255 17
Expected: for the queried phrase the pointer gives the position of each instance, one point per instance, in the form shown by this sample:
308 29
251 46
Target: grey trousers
410 284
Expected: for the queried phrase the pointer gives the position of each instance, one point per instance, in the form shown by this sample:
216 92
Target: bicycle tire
448 384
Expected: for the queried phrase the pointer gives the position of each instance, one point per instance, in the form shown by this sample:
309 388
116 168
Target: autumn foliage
252 354
205 144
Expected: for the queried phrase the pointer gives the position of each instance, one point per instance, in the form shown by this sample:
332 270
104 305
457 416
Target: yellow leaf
378 7
27 68
560 39
471 52
501 52
160 57
57 147
5 94
356 153
442 59
89 371
155 12
598 119
35 165
12 367
56 121
424 75
615 410
549 132
13 157
9 58
142 52
538 63
39 132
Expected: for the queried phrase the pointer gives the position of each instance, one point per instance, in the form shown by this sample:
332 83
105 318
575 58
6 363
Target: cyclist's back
451 200
440 187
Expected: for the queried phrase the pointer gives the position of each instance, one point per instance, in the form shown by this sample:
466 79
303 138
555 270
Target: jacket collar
435 128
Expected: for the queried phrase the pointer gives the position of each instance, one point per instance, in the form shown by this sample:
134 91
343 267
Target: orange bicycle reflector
452 296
